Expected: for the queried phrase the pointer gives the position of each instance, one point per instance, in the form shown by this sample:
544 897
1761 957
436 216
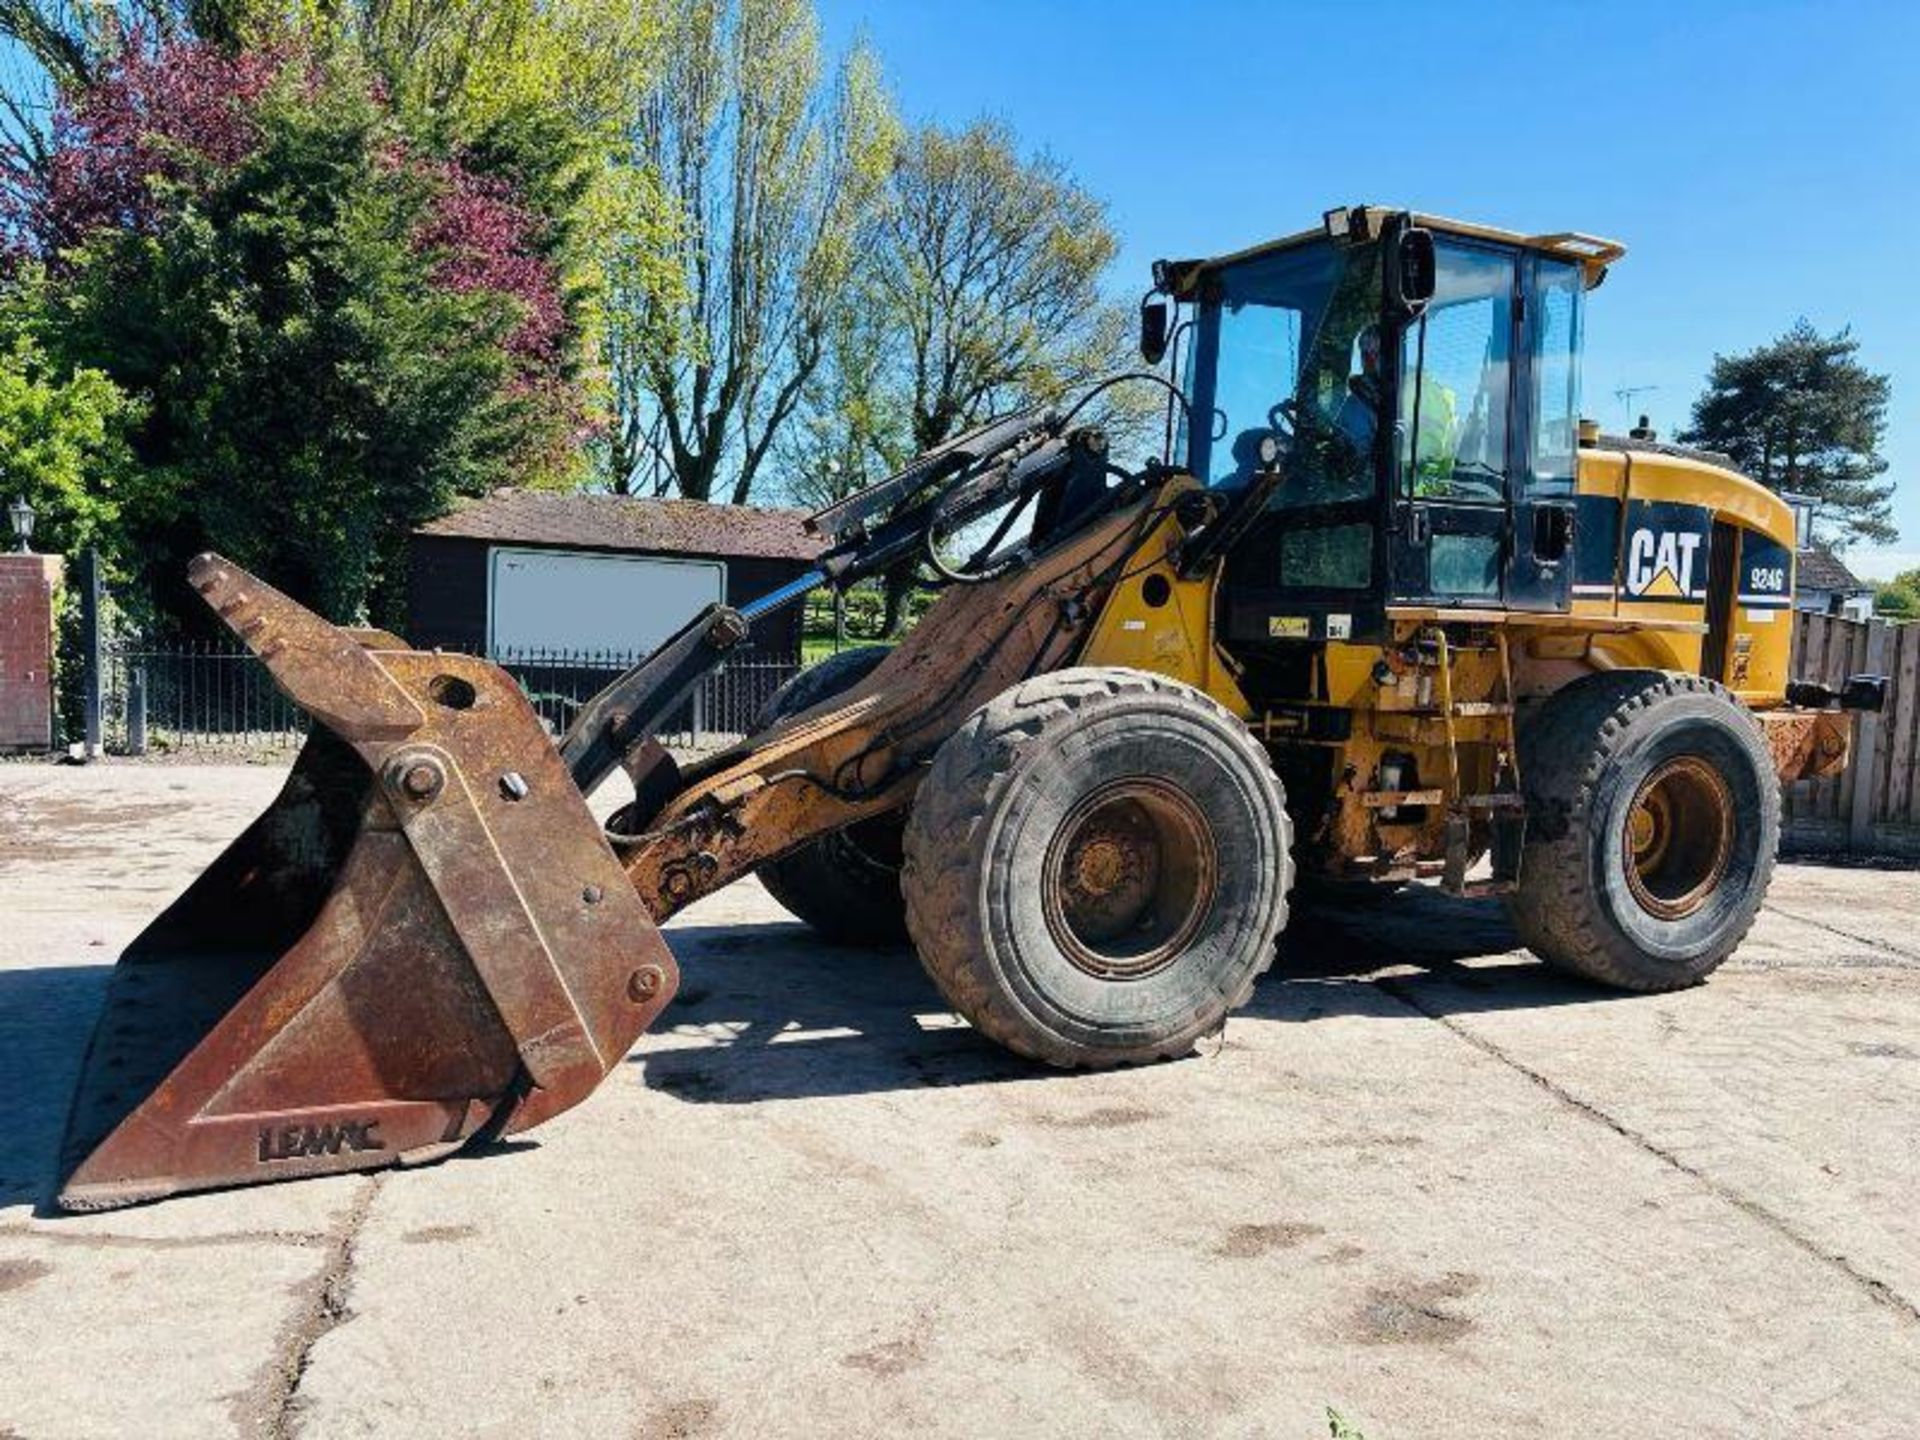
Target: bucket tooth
426 937
322 668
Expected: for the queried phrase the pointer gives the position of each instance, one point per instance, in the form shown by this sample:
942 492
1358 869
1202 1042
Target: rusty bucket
424 940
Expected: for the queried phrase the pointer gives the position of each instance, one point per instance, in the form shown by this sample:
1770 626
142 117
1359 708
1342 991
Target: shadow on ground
46 1016
795 1017
791 1016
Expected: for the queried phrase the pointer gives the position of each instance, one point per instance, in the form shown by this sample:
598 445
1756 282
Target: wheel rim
1678 837
1128 877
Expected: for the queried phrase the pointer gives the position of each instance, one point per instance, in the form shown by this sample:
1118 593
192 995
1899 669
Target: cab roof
1181 277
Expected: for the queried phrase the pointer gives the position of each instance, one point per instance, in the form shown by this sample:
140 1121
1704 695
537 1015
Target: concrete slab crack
271 1408
1874 1288
1904 959
110 1241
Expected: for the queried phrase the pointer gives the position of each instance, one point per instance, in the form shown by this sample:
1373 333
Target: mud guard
425 939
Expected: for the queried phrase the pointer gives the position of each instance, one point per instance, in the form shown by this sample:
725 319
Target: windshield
1288 346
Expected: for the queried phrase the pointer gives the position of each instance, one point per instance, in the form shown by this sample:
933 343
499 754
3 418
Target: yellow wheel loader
1385 614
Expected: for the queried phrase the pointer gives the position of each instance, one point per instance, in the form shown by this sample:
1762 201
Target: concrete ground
1420 1181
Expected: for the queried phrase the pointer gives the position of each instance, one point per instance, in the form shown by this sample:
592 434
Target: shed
534 572
1824 585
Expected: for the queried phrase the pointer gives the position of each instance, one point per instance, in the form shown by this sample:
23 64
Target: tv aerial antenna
1626 393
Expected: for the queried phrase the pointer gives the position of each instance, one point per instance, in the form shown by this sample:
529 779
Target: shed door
570 601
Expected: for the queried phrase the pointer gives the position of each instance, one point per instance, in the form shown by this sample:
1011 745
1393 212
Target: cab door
1454 434
1540 558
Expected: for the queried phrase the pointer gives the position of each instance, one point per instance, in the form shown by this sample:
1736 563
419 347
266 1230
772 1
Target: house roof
623 522
1818 568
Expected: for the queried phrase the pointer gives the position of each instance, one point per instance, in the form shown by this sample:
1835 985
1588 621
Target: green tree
463 66
532 92
989 272
769 168
1898 598
855 425
314 388
62 436
1803 416
982 294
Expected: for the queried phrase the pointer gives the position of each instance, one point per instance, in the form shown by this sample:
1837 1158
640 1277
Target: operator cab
1392 403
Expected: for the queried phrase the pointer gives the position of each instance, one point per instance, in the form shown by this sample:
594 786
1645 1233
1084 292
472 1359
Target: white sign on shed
558 600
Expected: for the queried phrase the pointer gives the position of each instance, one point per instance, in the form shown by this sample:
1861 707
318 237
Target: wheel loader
1385 612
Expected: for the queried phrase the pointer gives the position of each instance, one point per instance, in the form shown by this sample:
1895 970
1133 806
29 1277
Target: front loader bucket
425 938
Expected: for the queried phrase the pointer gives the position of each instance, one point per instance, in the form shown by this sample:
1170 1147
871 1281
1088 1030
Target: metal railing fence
211 697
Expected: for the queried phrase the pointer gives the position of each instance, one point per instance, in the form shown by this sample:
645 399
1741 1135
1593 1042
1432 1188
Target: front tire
1653 818
1097 867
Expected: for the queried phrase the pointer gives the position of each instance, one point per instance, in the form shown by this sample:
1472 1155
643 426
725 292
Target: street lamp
21 514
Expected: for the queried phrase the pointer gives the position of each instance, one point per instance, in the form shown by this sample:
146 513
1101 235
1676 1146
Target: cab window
1454 397
1259 348
1286 357
1558 289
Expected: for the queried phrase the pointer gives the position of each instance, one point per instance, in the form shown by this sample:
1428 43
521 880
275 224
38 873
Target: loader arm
861 753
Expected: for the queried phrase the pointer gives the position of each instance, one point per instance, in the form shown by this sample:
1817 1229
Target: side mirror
1412 271
1155 316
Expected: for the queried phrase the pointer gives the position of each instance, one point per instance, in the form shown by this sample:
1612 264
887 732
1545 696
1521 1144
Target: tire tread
1565 754
941 878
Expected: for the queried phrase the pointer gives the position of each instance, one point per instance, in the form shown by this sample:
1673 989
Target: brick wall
26 650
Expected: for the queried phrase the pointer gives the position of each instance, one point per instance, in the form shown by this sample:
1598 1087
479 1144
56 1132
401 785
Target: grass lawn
817 646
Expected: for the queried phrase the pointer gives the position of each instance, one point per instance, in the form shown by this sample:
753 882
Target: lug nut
422 781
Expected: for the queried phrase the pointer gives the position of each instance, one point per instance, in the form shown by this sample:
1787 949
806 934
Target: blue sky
1761 161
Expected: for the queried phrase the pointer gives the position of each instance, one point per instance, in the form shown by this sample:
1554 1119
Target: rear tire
1097 867
846 885
1653 818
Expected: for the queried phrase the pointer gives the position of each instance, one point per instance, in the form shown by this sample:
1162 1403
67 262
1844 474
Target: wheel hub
1128 878
1678 837
1103 863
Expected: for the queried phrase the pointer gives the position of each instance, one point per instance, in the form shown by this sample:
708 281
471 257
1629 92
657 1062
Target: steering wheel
1304 425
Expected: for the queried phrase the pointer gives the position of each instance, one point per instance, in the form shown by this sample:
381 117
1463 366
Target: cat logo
1660 564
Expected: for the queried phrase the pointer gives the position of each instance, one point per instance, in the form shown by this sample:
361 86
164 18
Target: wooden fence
1873 808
